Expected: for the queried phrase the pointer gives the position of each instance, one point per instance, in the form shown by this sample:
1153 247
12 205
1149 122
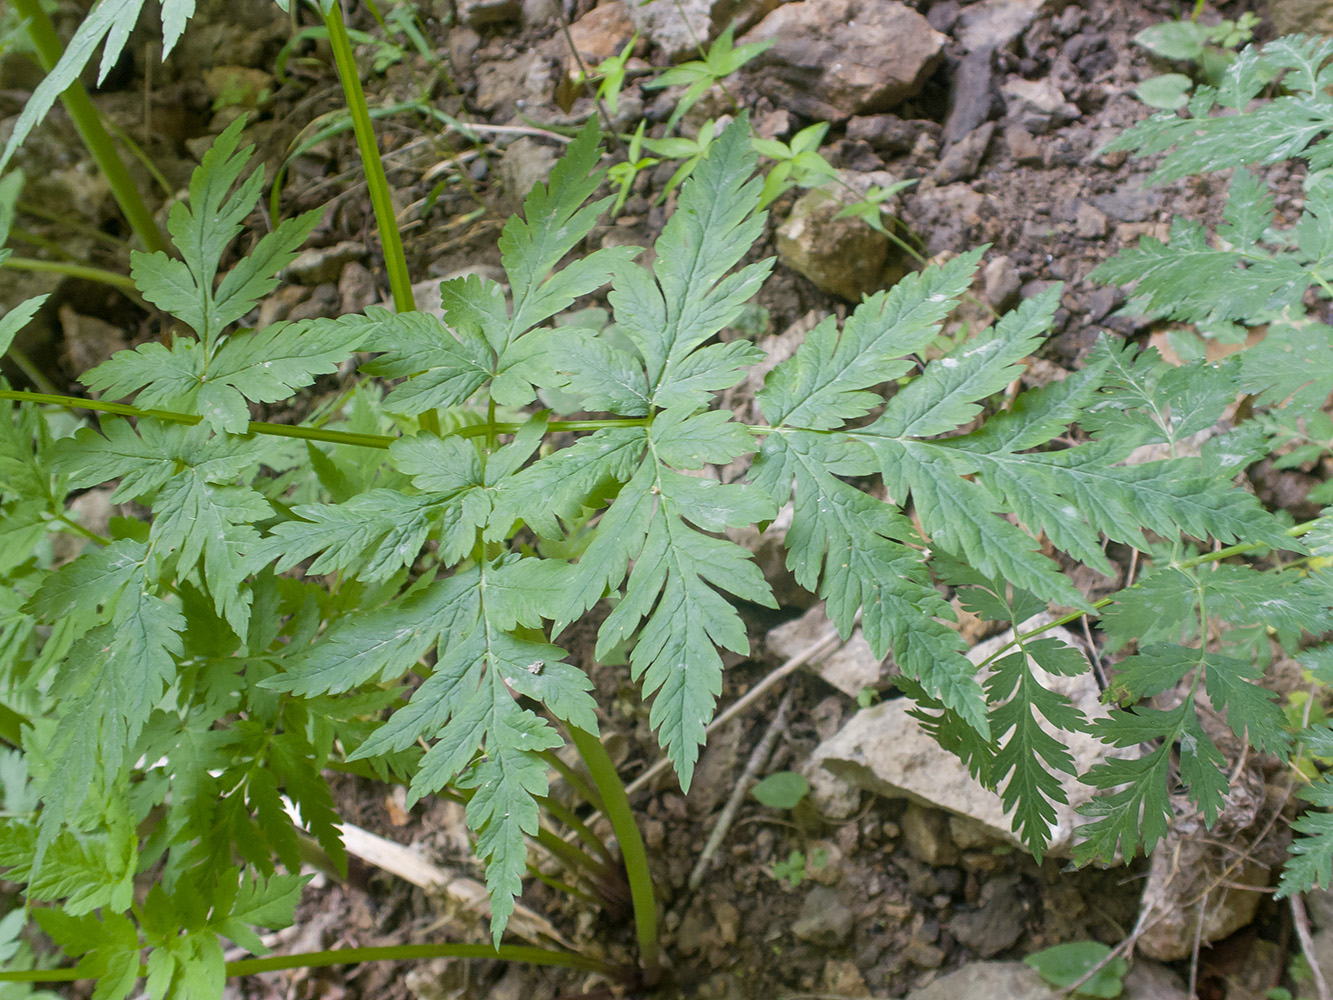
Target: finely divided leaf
688 296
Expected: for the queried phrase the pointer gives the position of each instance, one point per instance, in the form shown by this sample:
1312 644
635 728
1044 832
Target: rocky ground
907 884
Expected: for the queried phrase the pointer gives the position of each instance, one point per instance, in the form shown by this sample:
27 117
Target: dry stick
758 758
411 867
1302 921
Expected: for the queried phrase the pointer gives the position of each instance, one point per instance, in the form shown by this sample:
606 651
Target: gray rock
323 264
1037 105
824 920
926 836
844 257
1129 203
1001 282
678 27
963 159
987 981
1319 904
994 24
1309 16
883 749
1090 222
475 13
524 164
974 94
1187 873
832 59
997 923
885 133
1015 981
850 667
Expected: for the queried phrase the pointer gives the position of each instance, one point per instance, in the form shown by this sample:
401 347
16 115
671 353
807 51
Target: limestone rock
825 920
1037 105
602 32
883 749
842 256
1179 878
677 27
963 159
475 13
998 921
321 265
1309 16
851 667
1015 981
523 164
994 24
926 836
832 59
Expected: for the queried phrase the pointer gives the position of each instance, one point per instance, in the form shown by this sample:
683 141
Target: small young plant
720 60
1089 965
1210 48
610 77
623 174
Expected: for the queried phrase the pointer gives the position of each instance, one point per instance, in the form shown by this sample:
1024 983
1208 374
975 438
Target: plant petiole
395 260
621 817
529 954
91 130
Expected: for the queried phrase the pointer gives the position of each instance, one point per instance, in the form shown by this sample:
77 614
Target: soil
897 902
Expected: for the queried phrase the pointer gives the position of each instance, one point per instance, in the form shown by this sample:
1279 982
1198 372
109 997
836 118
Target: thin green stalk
30 371
554 426
82 228
574 779
79 529
1232 550
528 954
395 261
121 281
307 433
621 817
568 817
90 129
571 855
564 888
255 427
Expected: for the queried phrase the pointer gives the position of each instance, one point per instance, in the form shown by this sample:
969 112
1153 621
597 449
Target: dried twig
1302 921
758 758
466 892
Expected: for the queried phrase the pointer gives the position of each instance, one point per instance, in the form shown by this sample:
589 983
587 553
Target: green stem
307 433
621 817
567 816
574 779
395 261
121 281
571 855
564 888
1232 550
352 956
255 427
554 426
90 129
79 529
